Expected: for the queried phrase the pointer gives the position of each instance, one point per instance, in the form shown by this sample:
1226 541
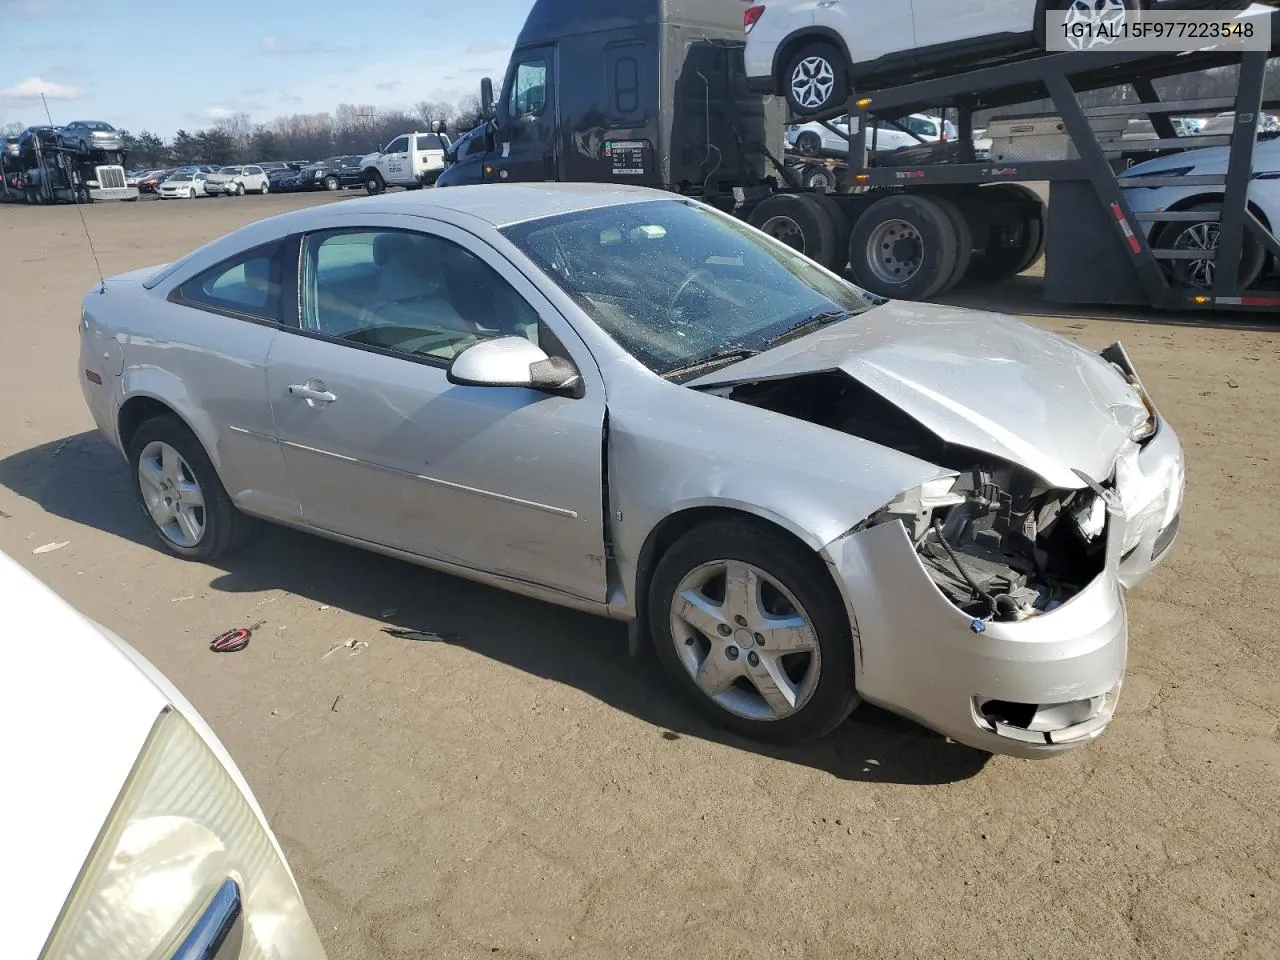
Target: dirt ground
520 788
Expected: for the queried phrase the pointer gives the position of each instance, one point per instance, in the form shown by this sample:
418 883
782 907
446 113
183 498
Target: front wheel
180 492
374 183
1205 235
331 183
751 629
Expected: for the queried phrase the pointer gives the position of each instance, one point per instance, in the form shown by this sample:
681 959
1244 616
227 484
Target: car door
383 449
833 142
526 136
940 22
254 178
395 161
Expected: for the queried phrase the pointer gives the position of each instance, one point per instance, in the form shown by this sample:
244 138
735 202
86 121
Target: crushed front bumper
1033 688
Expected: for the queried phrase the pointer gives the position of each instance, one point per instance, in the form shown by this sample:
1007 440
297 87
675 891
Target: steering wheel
699 276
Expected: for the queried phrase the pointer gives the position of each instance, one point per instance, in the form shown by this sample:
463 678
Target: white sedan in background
239 181
185 184
1264 198
815 139
128 832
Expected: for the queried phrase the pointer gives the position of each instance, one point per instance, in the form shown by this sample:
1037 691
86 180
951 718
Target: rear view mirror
514 362
486 97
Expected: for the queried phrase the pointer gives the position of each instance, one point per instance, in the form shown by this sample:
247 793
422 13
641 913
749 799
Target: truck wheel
331 183
842 227
808 144
373 182
817 79
964 243
1204 235
1028 230
904 247
801 222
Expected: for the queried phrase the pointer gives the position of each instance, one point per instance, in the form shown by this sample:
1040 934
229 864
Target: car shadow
82 479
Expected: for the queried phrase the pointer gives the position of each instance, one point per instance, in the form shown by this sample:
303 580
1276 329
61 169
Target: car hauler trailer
653 93
44 173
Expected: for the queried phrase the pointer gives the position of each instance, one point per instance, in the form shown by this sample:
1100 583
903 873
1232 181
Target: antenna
102 281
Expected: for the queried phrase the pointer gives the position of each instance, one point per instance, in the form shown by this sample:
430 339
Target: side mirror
486 97
514 362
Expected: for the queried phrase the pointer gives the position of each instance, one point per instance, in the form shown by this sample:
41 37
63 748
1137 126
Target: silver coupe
630 403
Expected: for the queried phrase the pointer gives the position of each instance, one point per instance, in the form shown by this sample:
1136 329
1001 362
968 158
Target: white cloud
33 87
279 45
486 47
218 113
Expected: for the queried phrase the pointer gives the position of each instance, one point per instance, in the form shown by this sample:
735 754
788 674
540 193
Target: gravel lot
520 788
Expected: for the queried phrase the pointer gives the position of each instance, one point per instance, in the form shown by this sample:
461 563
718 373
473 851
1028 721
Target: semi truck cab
644 92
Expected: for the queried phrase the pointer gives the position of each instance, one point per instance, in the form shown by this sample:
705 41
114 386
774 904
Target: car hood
77 715
975 379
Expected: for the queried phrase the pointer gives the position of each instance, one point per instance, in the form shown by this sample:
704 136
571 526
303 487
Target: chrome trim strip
252 433
207 937
532 504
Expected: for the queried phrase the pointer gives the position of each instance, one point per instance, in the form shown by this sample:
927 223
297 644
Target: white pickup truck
410 160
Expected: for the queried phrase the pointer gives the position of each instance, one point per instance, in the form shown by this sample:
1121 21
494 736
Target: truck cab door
394 164
525 148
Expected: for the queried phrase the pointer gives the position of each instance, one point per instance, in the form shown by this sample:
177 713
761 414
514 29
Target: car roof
506 203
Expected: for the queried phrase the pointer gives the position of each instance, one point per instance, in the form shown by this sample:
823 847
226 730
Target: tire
1008 261
266 187
842 227
1199 275
191 193
239 189
964 243
222 528
816 80
801 222
820 678
808 144
1133 12
332 183
373 182
818 177
903 247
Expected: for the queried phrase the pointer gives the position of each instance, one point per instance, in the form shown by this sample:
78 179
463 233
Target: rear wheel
1088 15
964 243
1016 240
816 80
266 187
751 629
1205 235
904 247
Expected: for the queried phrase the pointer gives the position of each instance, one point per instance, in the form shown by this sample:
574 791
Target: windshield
229 170
672 283
180 177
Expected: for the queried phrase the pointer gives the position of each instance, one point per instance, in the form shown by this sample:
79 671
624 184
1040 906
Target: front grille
109 177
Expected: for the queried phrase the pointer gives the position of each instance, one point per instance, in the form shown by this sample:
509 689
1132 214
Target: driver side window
529 91
398 145
411 293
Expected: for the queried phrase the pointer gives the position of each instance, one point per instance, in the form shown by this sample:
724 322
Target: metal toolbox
1044 136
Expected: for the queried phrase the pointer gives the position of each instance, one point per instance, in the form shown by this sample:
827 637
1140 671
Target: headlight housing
183 862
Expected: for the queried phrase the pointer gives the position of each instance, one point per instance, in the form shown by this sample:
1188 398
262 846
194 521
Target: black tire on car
808 144
1204 234
816 79
266 187
822 680
817 177
373 182
904 247
1046 7
801 222
224 528
332 183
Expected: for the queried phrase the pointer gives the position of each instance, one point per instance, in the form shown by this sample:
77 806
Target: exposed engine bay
996 541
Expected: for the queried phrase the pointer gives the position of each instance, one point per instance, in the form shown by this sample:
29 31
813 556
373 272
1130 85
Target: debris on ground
5 516
333 708
233 641
60 447
422 635
50 547
351 643
181 599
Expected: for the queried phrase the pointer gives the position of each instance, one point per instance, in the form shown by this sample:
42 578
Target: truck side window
398 145
623 63
529 94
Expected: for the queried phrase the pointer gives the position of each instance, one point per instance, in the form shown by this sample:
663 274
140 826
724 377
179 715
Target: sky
187 64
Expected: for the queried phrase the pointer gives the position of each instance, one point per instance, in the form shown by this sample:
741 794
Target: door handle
310 394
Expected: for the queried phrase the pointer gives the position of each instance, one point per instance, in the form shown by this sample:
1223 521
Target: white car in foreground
1264 198
127 830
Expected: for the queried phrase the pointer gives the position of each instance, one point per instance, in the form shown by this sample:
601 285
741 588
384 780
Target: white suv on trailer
814 52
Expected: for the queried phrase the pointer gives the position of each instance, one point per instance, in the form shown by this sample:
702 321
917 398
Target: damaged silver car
629 403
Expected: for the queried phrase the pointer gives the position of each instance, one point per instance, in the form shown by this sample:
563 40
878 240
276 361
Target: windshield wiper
714 360
808 325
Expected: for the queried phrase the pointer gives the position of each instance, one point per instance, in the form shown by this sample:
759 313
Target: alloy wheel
1198 236
172 494
812 82
745 640
1094 15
